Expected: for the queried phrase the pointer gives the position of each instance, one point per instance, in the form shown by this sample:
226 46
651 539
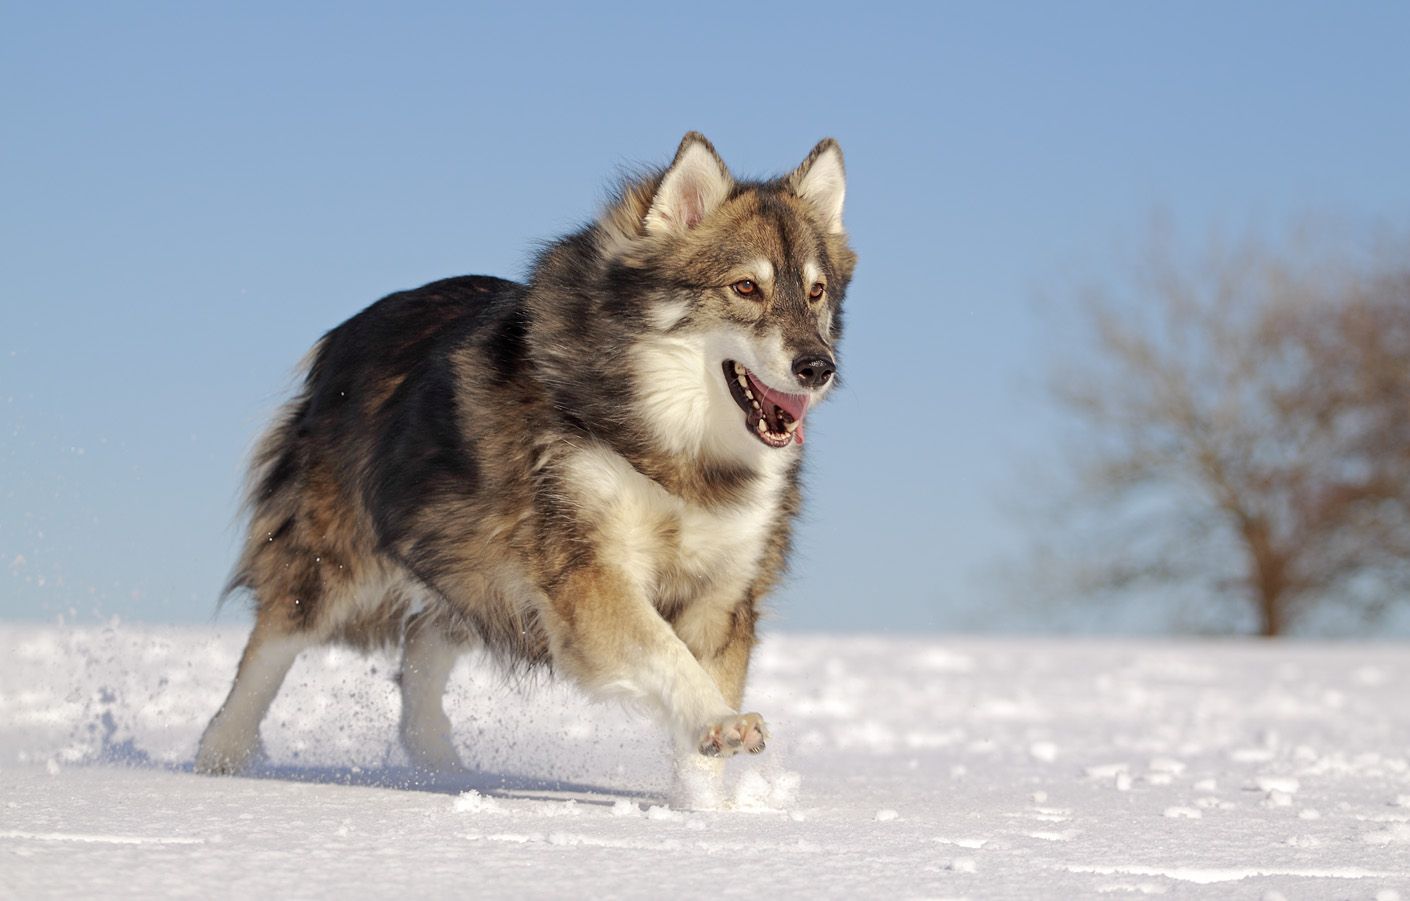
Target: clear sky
190 195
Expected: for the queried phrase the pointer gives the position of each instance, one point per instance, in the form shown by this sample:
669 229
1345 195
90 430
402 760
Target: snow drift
937 768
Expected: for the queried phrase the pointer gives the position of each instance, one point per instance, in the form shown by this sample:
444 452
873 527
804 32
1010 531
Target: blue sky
190 195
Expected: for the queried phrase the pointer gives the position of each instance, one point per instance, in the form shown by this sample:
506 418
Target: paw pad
744 732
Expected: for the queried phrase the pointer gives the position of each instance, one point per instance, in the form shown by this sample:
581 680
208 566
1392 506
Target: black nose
813 370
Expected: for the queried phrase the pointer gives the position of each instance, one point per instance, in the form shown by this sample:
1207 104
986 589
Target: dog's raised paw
729 736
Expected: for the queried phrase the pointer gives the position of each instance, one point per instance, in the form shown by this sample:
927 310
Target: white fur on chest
649 532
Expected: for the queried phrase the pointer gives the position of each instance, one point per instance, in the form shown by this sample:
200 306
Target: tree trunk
1270 611
1267 569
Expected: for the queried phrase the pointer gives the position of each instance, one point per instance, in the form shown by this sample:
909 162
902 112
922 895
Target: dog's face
746 320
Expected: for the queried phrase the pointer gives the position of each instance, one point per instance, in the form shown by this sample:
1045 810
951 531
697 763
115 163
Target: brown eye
745 288
818 290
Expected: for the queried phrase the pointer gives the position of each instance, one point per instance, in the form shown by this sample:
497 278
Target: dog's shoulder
649 527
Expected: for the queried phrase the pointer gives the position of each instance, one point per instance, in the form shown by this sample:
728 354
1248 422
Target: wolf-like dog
596 471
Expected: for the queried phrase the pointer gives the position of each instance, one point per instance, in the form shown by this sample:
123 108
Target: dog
595 471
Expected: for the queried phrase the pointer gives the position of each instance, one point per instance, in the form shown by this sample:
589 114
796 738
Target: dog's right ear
696 183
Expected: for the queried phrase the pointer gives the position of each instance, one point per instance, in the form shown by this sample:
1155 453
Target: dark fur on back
377 436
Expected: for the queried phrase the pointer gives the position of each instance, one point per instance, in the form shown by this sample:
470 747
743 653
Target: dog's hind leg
428 655
231 740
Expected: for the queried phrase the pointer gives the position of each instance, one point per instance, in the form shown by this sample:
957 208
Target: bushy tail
275 470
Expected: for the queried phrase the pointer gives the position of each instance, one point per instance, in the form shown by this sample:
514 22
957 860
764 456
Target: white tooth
739 367
761 427
790 425
743 381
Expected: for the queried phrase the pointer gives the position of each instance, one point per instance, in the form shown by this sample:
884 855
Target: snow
942 768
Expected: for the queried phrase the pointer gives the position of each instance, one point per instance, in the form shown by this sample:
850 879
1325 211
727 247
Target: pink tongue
795 405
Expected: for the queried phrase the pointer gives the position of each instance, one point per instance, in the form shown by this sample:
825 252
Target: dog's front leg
721 638
608 636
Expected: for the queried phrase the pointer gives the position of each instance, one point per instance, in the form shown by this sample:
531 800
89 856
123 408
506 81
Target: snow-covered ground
905 768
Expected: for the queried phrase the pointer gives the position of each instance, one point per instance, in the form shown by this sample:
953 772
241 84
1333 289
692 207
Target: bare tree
1244 430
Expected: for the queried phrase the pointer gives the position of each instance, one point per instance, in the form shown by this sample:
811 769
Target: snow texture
897 768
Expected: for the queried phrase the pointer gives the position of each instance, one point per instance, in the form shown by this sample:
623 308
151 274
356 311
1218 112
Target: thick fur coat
596 471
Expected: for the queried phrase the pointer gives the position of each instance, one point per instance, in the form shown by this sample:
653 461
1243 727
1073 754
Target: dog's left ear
696 183
822 182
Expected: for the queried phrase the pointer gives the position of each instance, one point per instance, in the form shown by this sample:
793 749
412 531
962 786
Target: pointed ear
822 182
691 189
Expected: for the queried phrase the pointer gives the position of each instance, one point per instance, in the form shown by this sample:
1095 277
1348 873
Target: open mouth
774 417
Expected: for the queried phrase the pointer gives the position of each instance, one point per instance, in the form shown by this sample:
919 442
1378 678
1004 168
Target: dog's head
739 285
